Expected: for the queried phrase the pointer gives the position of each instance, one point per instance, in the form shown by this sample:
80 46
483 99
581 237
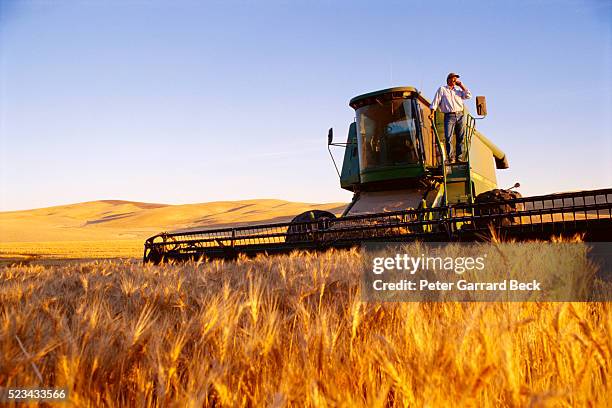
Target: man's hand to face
455 81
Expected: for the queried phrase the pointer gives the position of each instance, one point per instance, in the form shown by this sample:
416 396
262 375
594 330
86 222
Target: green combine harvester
404 190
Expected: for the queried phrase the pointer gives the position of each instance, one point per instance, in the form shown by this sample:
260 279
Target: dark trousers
454 130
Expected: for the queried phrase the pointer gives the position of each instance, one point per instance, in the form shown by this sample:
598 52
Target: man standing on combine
450 100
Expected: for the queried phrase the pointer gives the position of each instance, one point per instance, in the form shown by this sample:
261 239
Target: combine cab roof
362 100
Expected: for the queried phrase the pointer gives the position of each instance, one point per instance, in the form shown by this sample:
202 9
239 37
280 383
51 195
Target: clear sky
188 101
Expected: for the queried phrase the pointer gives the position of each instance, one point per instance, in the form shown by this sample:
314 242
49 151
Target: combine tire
496 202
154 256
317 221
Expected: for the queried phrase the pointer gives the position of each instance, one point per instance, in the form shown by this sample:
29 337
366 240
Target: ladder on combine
458 176
459 183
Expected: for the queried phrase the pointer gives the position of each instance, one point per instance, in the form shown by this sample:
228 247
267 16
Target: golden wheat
287 331
32 251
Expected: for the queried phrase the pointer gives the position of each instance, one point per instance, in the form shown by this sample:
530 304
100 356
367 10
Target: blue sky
181 102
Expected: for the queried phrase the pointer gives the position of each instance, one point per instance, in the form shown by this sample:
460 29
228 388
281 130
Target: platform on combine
540 217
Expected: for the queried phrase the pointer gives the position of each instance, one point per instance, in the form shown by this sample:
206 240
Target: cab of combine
394 157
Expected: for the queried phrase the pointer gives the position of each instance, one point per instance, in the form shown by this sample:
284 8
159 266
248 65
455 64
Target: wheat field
287 331
36 252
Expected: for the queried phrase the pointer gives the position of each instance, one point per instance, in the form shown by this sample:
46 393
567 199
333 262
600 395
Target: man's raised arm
466 92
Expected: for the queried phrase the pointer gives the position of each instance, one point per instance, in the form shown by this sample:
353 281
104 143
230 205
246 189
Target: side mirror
330 136
481 105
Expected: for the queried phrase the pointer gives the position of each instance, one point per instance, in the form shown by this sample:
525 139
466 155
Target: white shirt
450 99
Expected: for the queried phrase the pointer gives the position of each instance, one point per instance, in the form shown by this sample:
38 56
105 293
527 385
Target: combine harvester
404 190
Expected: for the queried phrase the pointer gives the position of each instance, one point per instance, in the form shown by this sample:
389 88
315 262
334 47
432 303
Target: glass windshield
387 134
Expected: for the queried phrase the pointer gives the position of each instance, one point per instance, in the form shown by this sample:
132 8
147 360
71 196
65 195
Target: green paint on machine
393 144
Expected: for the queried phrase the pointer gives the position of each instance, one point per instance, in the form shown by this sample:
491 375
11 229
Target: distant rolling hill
118 220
